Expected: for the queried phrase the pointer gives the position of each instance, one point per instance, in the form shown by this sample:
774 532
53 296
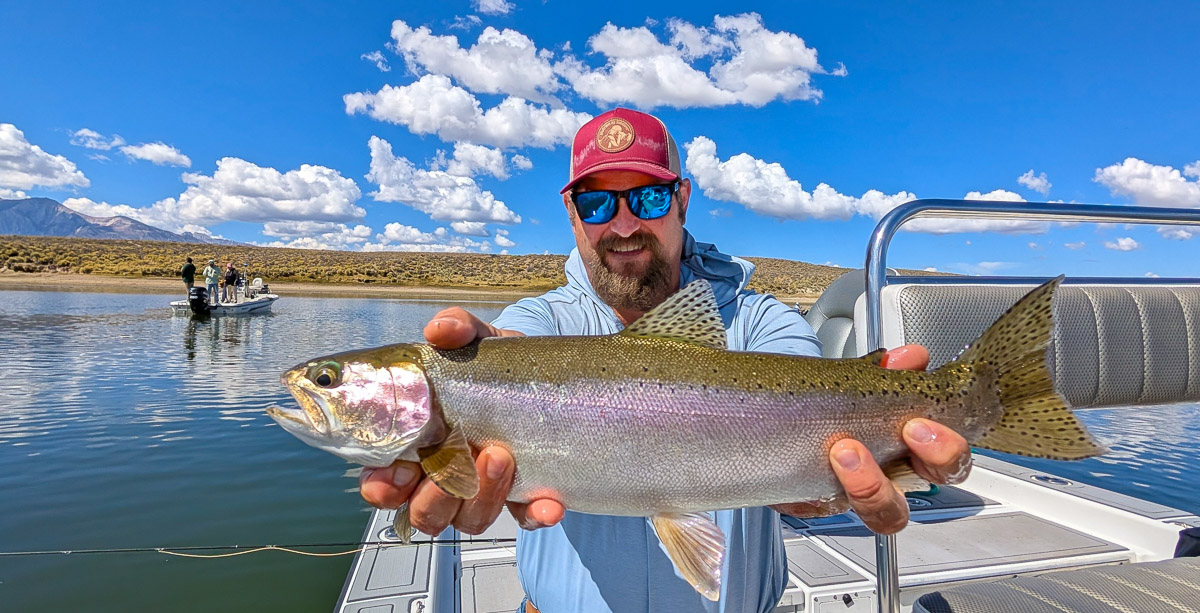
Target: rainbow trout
661 420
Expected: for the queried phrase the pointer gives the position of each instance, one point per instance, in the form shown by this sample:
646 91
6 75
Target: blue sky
445 126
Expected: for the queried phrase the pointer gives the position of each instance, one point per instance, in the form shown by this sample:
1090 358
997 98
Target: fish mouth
312 416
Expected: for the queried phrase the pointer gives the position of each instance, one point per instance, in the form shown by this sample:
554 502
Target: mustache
640 240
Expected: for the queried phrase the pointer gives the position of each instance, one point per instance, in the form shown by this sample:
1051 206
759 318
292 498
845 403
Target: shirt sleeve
773 327
529 316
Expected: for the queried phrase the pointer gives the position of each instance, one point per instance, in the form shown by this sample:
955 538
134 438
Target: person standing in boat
188 272
212 278
627 202
231 282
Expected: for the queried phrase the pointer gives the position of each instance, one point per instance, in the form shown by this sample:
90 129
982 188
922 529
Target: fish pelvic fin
450 465
1007 367
689 315
696 546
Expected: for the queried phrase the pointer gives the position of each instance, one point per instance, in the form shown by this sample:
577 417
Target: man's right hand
430 509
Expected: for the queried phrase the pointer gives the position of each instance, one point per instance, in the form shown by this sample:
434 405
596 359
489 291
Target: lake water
122 426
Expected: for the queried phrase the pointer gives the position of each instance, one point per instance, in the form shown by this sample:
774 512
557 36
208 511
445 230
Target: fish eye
325 375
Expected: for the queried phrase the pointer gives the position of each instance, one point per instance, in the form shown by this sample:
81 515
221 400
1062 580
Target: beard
630 290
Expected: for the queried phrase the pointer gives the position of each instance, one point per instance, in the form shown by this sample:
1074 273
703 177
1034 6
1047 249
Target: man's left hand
939 454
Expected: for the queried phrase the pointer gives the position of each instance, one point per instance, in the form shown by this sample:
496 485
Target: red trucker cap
622 139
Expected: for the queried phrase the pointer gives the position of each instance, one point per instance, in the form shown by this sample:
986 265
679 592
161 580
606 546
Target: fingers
495 466
871 495
390 487
537 514
455 327
939 454
431 510
906 357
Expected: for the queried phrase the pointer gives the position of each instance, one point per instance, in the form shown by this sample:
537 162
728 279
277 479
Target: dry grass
26 254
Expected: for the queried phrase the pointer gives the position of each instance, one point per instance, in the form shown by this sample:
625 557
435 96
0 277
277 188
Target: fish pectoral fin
696 546
450 466
401 525
690 315
904 478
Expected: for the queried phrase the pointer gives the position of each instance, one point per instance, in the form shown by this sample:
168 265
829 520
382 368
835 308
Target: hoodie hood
727 274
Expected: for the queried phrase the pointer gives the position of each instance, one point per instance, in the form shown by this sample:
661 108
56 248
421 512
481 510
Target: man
212 279
189 274
627 203
231 283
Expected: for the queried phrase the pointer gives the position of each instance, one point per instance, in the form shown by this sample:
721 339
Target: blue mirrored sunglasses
646 201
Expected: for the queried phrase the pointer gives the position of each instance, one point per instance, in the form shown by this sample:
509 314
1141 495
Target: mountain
46 217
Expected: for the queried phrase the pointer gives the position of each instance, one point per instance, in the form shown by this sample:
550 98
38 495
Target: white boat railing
888 574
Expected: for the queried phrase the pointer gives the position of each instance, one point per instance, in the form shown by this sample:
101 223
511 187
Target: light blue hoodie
599 563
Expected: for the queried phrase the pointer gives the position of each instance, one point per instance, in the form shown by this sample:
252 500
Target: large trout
661 420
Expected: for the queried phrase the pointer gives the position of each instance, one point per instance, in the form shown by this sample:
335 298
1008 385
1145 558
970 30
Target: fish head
363 407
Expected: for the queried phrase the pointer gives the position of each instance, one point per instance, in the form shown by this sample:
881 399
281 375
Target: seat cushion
1169 586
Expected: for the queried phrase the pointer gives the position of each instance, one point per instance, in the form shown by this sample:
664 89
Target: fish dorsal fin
689 315
450 466
696 546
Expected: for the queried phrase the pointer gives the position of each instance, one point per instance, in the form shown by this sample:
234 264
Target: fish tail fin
1006 369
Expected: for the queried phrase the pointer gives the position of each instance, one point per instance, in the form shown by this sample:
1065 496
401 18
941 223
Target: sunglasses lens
651 201
596 207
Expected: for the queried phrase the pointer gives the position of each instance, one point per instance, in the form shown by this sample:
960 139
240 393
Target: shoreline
74 282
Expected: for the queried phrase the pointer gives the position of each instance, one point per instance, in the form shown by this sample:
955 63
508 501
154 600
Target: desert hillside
126 258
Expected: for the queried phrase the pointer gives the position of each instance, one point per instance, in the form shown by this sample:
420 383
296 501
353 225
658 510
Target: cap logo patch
614 135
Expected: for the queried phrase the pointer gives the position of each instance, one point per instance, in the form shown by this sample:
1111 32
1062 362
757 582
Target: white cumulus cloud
24 165
91 139
502 239
471 160
1177 233
399 237
470 228
317 235
1122 244
439 194
10 194
766 188
433 105
377 58
500 62
1038 184
493 7
1152 185
161 154
746 64
1075 246
242 191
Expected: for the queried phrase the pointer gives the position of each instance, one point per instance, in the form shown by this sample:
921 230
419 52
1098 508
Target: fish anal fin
904 478
401 525
696 546
689 315
450 465
875 358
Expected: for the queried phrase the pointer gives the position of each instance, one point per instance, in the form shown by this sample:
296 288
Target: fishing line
238 550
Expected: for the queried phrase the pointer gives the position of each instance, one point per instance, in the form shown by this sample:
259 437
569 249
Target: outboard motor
198 300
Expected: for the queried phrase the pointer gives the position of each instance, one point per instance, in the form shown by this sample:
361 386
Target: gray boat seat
1114 344
1169 586
832 315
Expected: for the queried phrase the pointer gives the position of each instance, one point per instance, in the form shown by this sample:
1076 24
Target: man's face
632 263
